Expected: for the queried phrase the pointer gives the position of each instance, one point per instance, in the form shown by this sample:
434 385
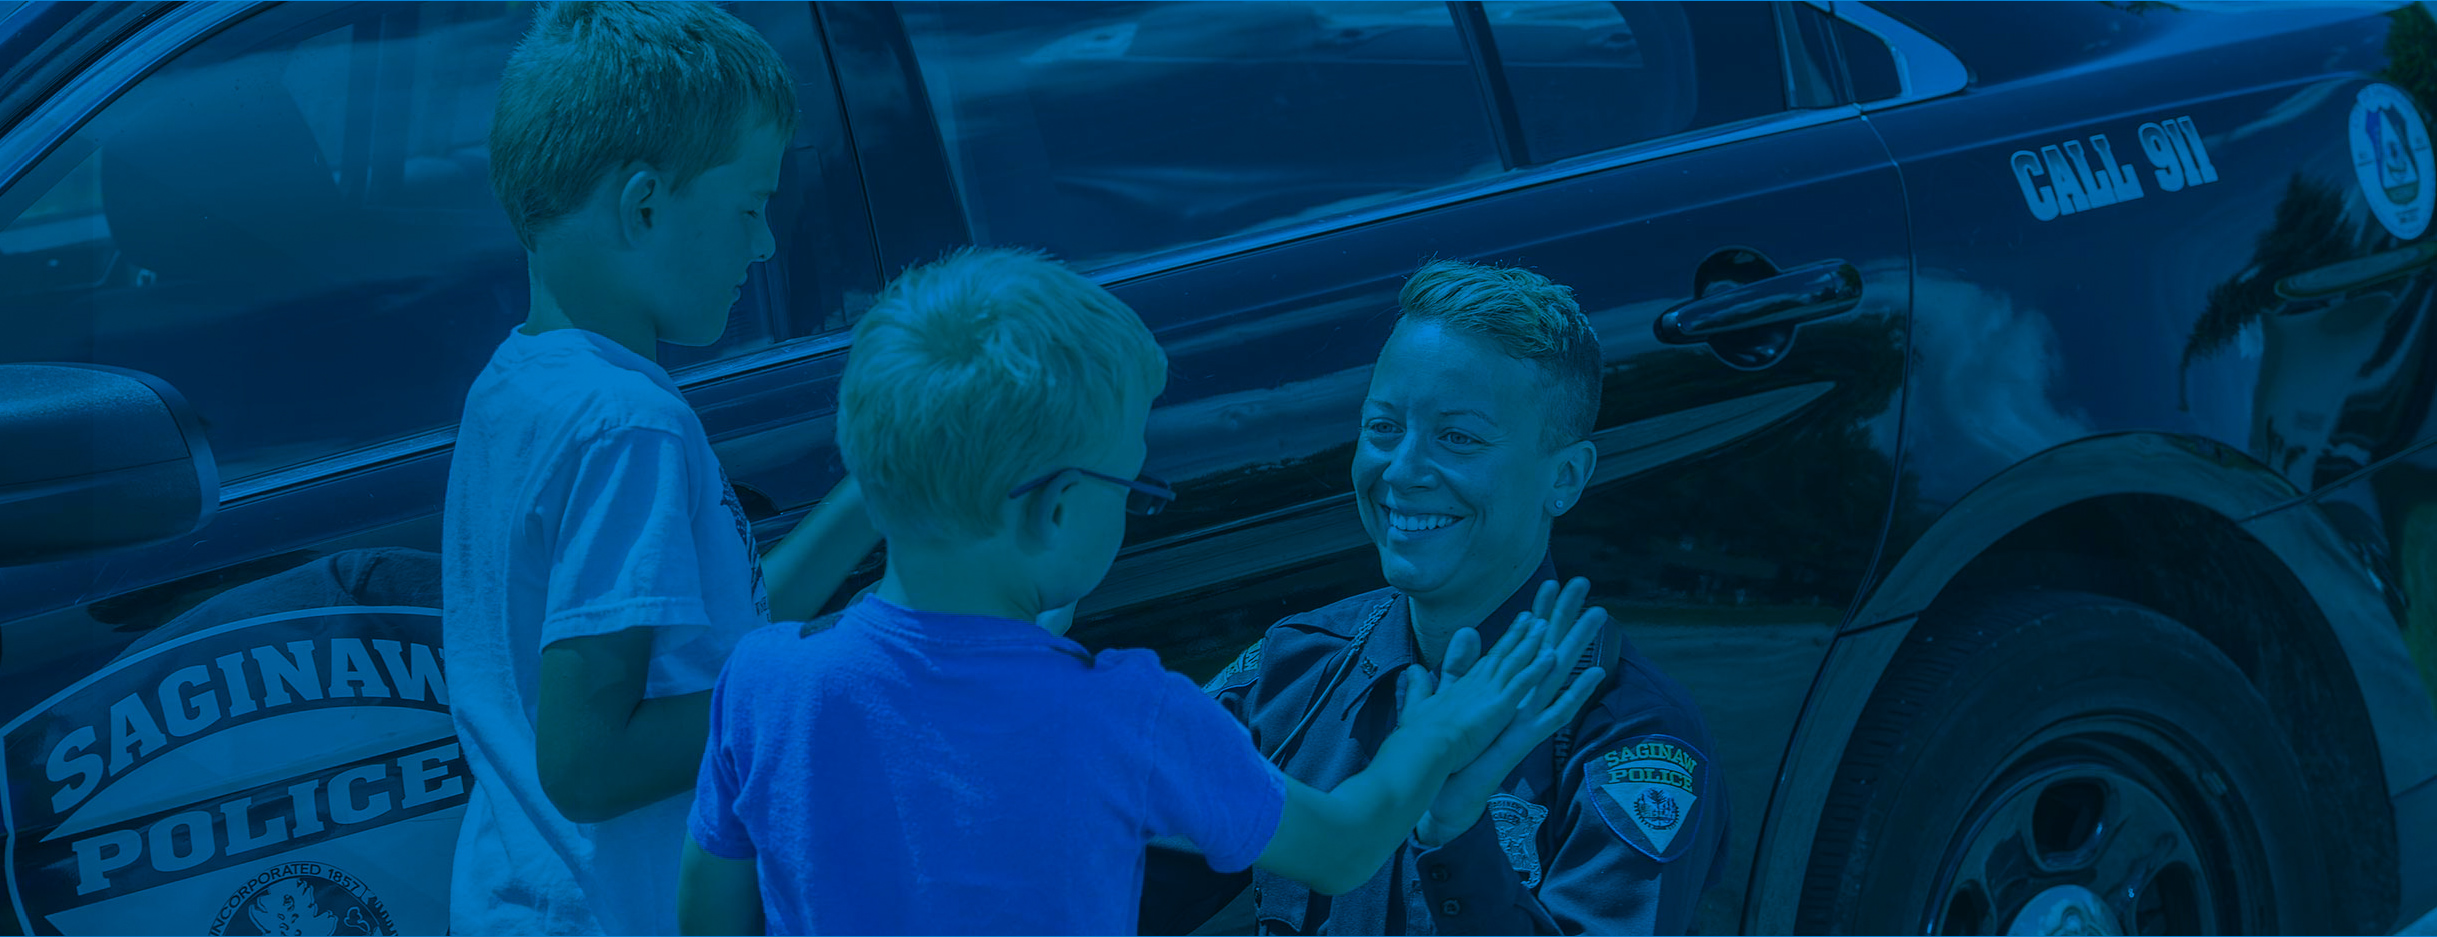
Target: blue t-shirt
909 772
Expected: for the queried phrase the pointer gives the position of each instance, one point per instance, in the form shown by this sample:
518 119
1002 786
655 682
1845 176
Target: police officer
1473 440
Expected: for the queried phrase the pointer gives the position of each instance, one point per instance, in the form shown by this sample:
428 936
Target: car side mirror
95 459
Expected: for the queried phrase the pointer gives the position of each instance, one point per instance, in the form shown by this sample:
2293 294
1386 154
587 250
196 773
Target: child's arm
602 749
1461 801
715 895
1335 841
807 567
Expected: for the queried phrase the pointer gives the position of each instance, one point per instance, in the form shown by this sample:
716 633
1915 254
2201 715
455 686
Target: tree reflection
2308 233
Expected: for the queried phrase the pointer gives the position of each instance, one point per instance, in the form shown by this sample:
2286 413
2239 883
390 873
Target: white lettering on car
358 795
2061 179
191 700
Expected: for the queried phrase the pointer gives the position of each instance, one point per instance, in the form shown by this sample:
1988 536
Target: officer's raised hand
1555 613
1476 708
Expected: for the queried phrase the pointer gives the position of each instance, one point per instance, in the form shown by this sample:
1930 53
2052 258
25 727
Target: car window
1869 62
1104 131
1588 76
292 223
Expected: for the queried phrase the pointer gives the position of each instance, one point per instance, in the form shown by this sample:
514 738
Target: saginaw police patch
1648 789
1518 823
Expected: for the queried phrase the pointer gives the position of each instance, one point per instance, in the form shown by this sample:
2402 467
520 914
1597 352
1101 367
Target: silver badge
1518 822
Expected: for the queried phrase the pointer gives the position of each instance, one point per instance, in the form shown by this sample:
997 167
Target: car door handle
1815 291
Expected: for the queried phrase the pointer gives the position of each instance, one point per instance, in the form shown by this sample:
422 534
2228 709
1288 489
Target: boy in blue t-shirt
942 761
595 566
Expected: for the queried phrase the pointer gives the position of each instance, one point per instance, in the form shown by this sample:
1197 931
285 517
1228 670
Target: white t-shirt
583 499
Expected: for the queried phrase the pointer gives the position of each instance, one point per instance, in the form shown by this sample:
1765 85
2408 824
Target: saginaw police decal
1518 824
2390 155
290 773
1648 789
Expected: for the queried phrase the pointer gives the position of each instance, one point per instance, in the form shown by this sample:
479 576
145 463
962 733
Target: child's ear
1045 509
636 201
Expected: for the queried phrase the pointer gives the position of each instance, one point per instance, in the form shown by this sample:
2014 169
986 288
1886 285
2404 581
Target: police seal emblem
303 898
2391 157
1518 824
1657 811
1648 790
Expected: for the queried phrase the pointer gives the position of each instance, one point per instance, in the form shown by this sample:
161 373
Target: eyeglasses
1145 495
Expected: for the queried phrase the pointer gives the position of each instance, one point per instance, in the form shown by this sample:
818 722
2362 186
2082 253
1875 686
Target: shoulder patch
1247 666
1649 790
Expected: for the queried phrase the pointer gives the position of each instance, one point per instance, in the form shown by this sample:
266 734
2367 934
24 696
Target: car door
1257 180
283 212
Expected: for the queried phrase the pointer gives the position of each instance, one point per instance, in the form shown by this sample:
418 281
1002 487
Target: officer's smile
1412 525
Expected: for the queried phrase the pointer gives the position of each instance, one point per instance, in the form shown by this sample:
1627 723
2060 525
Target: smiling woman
1474 439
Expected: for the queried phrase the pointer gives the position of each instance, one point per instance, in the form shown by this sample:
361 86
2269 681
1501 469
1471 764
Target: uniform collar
1391 648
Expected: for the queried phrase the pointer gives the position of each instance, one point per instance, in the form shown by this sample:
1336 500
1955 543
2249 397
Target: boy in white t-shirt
596 567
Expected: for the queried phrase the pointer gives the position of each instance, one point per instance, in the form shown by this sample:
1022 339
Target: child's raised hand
1551 704
1562 611
1474 708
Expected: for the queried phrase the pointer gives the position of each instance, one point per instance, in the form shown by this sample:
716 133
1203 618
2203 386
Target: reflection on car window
1588 76
293 224
1104 131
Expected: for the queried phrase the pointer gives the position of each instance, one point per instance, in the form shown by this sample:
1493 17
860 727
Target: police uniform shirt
1615 825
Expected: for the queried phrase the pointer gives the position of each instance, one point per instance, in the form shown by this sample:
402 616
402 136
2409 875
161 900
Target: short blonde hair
980 372
597 85
1528 317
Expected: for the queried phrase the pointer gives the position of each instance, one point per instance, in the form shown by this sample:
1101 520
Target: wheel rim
2103 825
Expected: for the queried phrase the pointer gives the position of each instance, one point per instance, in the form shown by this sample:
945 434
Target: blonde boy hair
597 85
1526 316
978 373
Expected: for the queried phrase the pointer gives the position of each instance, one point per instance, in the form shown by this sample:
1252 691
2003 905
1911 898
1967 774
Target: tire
2031 744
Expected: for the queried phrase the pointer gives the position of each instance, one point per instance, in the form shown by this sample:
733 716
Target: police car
2020 430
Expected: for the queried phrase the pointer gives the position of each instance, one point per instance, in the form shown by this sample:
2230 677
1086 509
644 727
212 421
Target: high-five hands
1475 709
1550 705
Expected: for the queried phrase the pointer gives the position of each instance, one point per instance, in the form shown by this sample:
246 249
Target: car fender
2198 471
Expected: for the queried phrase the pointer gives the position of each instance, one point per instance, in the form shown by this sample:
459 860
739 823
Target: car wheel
2064 763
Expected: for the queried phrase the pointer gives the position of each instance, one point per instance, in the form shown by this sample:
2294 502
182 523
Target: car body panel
2213 477
2033 390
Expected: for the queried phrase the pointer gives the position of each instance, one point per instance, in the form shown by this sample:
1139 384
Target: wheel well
2205 571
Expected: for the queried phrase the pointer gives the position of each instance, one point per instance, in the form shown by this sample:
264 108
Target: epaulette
1346 618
